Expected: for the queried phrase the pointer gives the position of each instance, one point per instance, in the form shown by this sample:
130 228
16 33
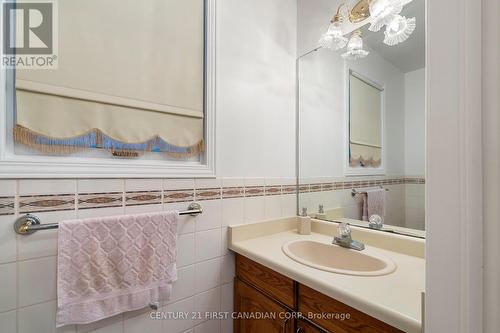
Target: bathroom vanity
290 305
275 293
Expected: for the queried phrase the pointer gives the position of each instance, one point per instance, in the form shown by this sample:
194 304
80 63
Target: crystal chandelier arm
339 14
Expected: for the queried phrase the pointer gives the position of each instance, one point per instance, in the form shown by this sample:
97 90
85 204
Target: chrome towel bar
29 224
354 191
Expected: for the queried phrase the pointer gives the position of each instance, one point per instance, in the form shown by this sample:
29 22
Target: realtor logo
29 39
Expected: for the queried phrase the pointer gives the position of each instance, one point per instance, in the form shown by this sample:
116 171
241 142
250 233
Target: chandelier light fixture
333 38
399 29
355 47
380 12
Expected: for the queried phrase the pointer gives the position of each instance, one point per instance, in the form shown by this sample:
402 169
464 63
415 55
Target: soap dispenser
321 215
304 223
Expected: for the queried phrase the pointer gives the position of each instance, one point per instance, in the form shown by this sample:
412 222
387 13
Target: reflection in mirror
365 122
361 129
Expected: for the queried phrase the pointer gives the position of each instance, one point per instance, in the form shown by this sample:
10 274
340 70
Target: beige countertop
394 298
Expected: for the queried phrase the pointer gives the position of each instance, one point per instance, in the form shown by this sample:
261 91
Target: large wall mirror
361 111
132 87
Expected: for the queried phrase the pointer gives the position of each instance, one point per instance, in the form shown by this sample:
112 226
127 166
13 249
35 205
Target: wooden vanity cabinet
312 301
303 326
275 285
248 300
258 289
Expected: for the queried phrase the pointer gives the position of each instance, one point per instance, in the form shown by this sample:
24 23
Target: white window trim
23 166
348 169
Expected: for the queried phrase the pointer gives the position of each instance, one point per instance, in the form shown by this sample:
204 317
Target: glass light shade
377 7
355 47
399 29
355 43
333 38
382 12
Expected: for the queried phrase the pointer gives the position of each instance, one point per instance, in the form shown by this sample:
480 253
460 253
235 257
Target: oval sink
336 259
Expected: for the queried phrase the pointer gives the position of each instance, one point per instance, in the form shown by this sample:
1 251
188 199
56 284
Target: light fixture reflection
355 47
399 29
382 12
333 38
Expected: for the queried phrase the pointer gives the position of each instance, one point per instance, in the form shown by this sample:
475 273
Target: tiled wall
415 206
404 200
206 267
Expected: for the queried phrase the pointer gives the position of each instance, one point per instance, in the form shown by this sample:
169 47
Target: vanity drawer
268 281
315 302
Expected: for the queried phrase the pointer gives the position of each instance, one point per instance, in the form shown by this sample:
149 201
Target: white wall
321 115
312 21
256 49
414 149
415 123
491 165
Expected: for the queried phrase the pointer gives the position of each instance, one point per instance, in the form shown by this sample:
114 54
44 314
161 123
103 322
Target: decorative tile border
289 189
233 192
46 203
272 190
327 187
315 187
208 194
171 196
7 205
414 181
254 191
143 198
304 188
100 200
348 185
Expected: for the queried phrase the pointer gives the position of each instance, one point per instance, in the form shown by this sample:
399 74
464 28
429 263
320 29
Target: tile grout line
16 237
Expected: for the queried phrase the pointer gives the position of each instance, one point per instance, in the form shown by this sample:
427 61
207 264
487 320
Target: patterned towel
375 202
111 265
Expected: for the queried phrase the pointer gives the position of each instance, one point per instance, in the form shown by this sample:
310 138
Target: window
365 140
132 92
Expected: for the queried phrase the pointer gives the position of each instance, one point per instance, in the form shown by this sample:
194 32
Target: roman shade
365 137
130 78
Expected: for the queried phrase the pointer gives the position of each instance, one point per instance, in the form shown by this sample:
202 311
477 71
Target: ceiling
409 55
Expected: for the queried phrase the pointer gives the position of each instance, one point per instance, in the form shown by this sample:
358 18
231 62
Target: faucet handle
304 211
375 222
344 230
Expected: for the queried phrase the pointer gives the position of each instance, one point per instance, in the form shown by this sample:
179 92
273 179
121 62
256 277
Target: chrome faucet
345 240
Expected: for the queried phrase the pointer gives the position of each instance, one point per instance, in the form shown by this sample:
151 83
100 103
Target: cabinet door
268 316
312 301
306 327
273 284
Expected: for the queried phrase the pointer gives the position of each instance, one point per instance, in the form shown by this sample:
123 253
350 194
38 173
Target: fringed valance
365 156
96 139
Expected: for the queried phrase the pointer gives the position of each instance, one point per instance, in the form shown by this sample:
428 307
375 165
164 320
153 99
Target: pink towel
374 203
111 265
